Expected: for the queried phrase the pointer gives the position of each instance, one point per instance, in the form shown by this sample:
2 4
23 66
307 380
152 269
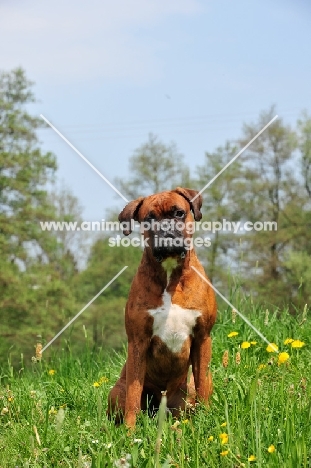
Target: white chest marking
172 323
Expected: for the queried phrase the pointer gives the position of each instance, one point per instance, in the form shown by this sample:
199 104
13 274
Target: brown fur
151 366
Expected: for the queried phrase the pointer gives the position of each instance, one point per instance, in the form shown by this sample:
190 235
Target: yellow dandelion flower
252 458
271 449
52 372
224 453
210 438
232 334
288 340
224 438
185 421
262 366
52 410
297 344
272 348
245 344
253 343
283 357
223 424
96 384
103 380
11 398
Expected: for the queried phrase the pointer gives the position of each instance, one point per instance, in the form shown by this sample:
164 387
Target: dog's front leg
135 376
201 352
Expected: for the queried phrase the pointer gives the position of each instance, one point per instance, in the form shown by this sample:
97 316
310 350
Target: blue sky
191 71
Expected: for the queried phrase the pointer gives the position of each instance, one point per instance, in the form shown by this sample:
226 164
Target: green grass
256 408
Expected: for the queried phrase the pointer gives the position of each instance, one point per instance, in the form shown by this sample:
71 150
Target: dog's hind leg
116 399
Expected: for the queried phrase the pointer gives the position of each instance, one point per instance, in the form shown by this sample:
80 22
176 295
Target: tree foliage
221 201
106 316
31 290
154 167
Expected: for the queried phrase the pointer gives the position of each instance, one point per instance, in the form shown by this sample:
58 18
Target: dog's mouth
168 244
167 238
165 247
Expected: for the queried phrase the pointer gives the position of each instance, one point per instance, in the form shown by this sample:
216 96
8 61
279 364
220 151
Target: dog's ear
196 204
129 212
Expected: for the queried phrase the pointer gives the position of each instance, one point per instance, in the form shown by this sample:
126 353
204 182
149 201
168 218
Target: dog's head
166 220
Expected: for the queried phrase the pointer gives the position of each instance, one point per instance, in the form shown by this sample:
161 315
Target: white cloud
78 40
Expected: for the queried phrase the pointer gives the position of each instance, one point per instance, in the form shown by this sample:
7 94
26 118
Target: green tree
221 201
72 246
106 316
304 144
297 260
271 193
154 167
33 297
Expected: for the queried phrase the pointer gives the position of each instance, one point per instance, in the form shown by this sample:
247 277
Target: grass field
53 413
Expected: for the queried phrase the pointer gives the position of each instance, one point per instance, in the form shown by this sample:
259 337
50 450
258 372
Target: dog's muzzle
167 241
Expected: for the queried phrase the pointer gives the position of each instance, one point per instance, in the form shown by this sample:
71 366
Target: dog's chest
172 323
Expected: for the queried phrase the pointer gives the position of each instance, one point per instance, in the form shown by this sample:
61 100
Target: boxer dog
168 320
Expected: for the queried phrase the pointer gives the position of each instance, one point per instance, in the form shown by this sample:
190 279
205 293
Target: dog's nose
168 234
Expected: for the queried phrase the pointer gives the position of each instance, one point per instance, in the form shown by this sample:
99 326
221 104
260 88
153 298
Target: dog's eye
150 216
179 214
